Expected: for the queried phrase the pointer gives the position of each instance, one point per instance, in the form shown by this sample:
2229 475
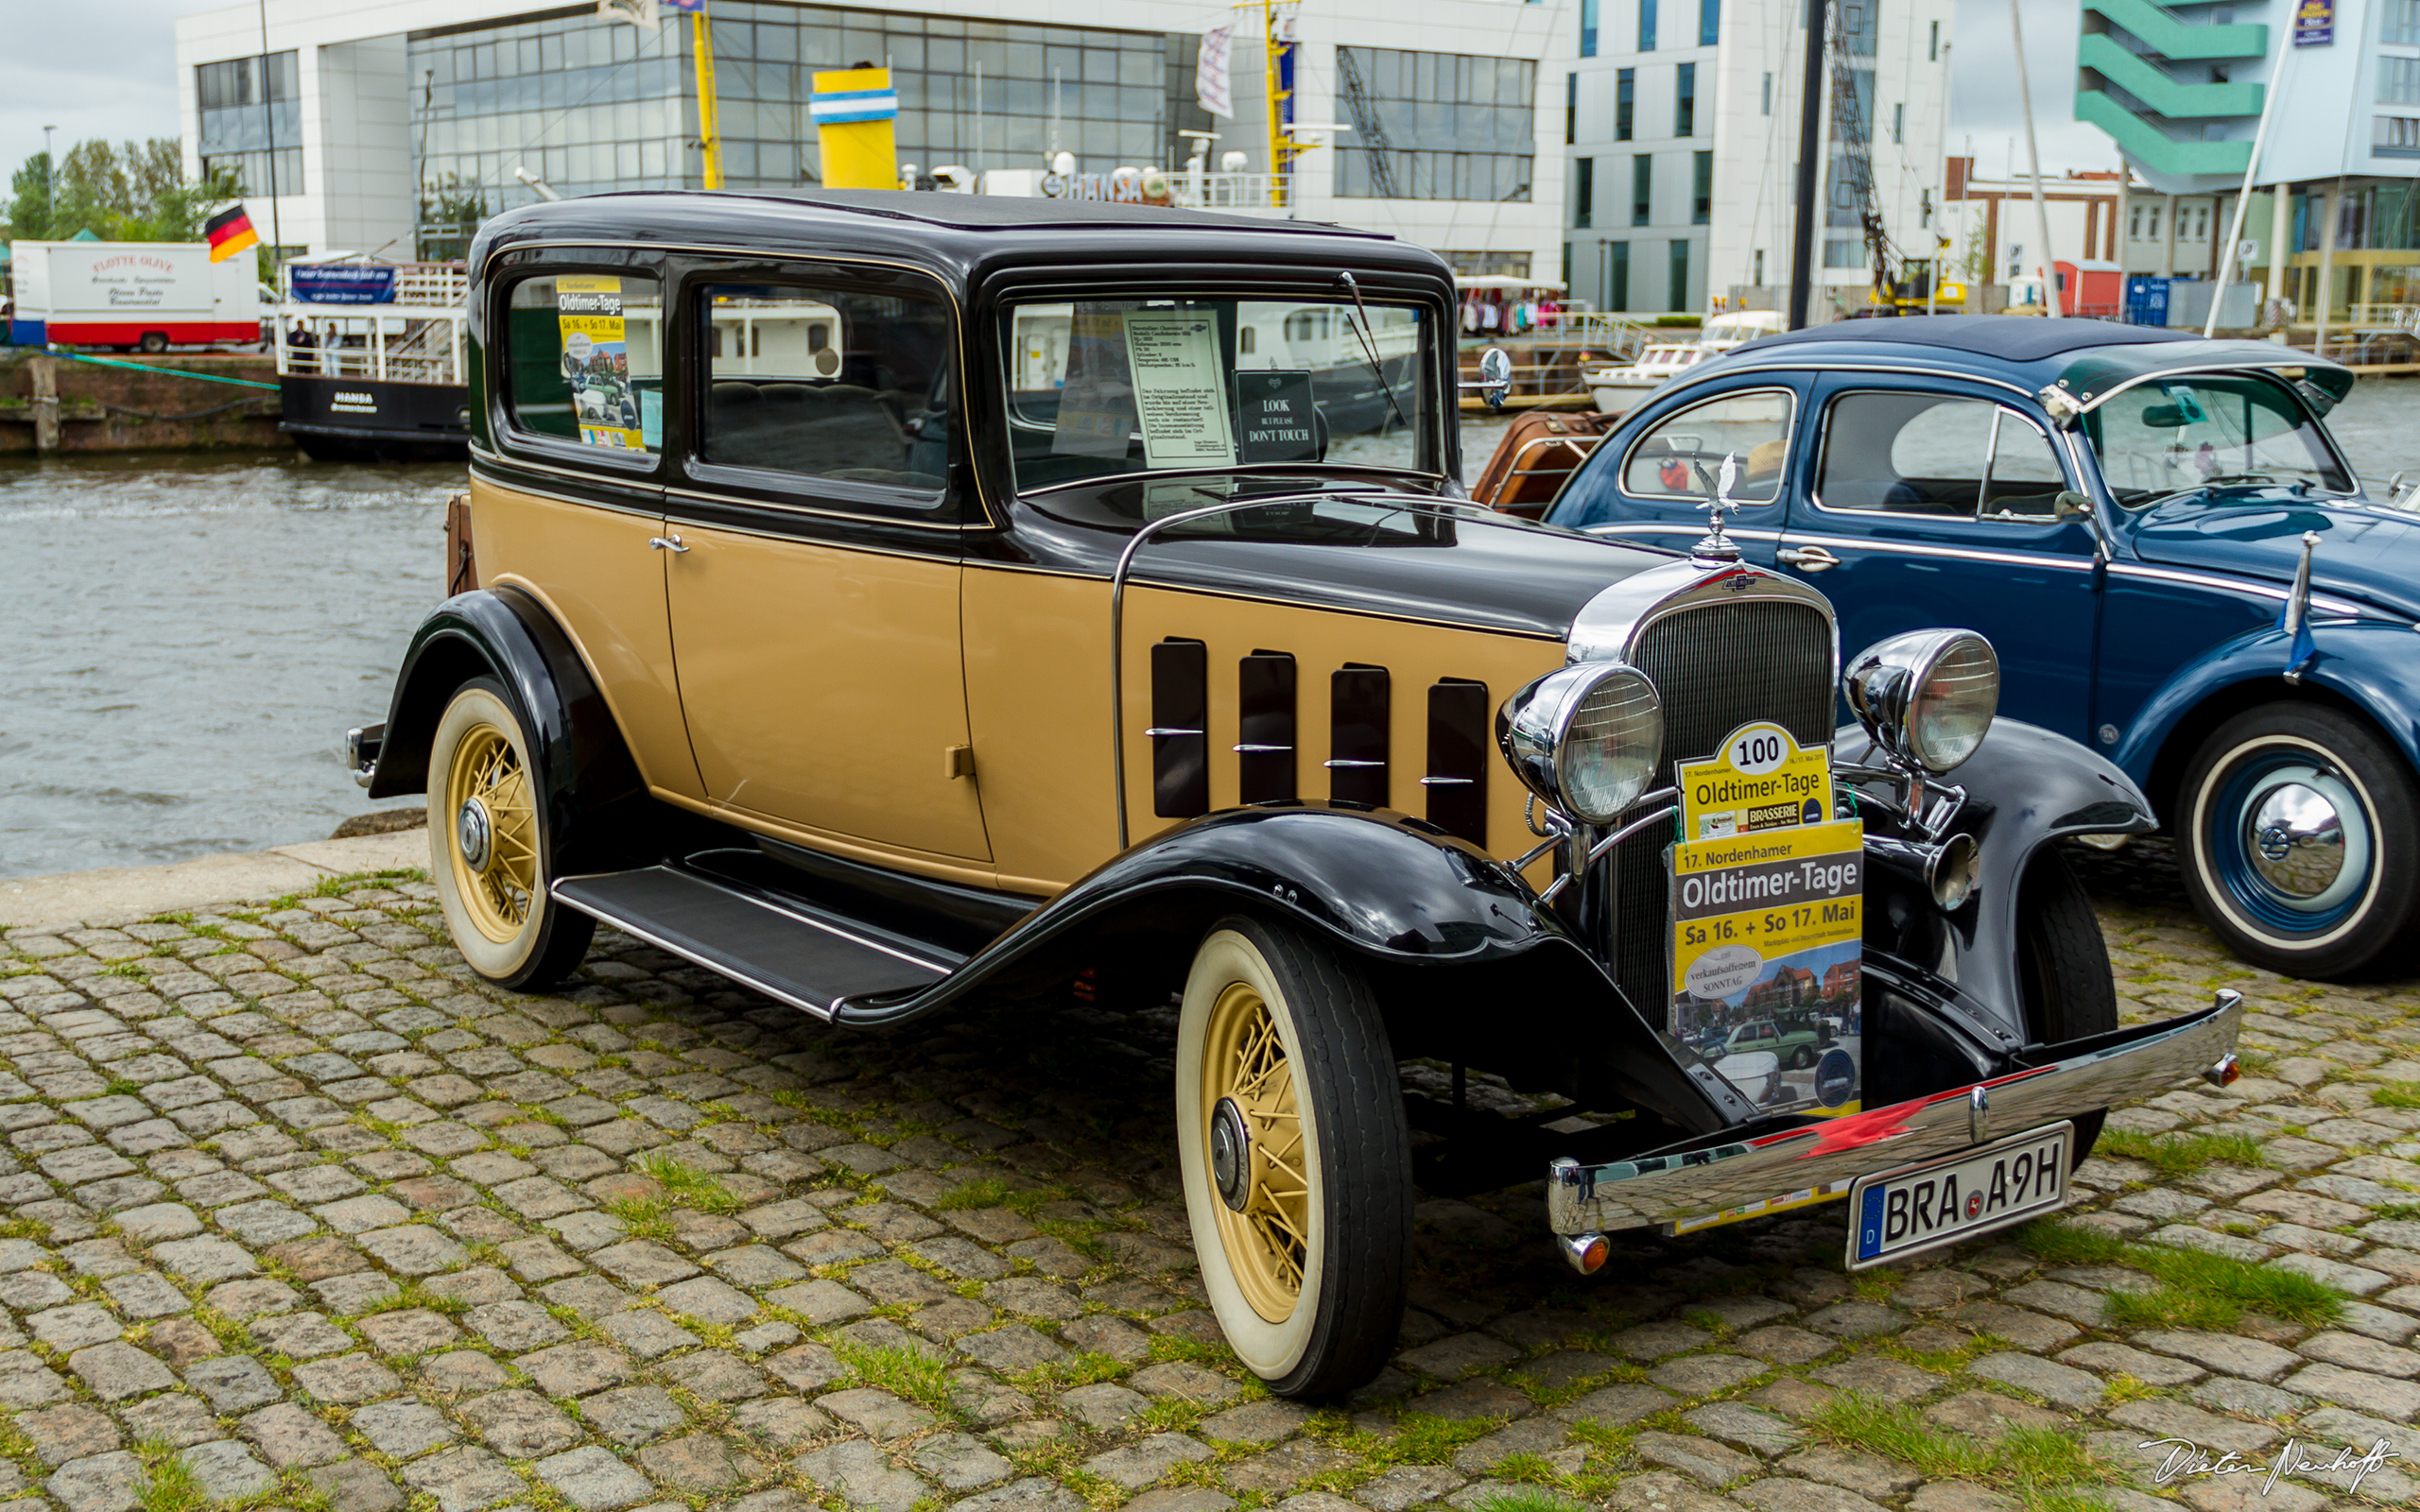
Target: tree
134 193
29 200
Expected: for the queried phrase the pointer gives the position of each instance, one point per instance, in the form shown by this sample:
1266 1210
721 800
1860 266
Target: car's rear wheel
2302 840
2063 968
1296 1157
489 852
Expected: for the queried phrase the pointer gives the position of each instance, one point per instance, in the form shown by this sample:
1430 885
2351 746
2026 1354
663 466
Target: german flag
230 232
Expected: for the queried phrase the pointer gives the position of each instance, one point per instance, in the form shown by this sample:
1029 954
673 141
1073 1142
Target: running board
786 948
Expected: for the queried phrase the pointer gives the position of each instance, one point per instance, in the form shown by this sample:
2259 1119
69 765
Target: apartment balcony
2172 36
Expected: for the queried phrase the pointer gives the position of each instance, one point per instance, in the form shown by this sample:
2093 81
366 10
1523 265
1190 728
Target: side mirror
1495 376
2070 504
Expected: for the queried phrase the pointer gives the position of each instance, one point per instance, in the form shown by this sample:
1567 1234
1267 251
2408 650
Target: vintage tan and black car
899 601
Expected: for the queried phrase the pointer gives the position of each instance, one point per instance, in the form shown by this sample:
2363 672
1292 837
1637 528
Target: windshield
1101 387
2162 437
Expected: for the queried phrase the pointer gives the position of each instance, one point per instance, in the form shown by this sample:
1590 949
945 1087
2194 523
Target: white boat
1617 388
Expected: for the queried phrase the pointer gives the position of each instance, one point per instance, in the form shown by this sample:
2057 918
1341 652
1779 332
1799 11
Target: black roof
2011 338
970 240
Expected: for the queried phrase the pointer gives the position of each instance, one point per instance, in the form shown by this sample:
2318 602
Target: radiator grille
1717 667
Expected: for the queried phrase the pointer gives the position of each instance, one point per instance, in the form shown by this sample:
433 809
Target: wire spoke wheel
1296 1157
1268 1239
490 854
497 873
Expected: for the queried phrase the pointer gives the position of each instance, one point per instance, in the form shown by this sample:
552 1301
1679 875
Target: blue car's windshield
2168 436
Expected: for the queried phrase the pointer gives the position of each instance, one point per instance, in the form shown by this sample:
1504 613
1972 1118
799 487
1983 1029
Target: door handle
664 544
1807 558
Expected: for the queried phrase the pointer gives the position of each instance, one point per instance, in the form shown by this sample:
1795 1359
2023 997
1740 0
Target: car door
814 579
1936 504
1654 489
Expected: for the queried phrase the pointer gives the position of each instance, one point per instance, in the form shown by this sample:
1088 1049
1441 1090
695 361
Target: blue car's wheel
2300 839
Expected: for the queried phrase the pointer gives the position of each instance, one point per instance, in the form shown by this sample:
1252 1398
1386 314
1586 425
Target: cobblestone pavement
299 1215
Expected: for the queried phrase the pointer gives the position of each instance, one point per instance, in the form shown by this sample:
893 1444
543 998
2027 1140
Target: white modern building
366 125
2334 222
1683 121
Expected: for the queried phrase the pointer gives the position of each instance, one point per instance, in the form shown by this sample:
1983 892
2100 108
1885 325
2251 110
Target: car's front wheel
1296 1157
489 852
2063 968
2301 842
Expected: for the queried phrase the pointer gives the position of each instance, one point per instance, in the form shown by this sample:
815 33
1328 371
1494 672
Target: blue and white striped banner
846 105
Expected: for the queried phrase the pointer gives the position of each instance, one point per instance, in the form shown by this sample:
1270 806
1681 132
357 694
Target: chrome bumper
1678 1185
361 751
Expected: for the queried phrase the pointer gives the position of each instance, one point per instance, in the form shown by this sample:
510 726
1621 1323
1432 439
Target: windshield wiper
1369 349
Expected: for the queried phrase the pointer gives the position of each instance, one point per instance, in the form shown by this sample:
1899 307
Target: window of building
2396 136
1583 191
1769 94
1566 265
2150 221
1570 109
1932 42
582 360
1625 103
2401 25
1684 101
1758 276
1617 275
2400 81
1701 189
1587 28
828 383
1843 251
1642 189
1898 123
589 105
251 121
1647 26
1677 294
1709 21
1456 126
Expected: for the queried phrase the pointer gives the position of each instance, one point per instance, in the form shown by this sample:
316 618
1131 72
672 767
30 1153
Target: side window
828 383
1905 453
2026 476
584 359
1681 456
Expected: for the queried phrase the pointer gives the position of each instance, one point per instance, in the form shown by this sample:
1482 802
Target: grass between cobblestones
2197 1290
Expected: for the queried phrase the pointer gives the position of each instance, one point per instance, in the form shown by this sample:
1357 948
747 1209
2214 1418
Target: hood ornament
1714 546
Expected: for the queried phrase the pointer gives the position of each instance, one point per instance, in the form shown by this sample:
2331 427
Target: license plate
1957 1196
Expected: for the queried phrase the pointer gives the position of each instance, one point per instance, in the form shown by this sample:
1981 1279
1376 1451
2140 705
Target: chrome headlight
1927 697
1586 738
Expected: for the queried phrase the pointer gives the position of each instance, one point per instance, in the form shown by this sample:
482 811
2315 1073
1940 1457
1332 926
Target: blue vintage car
2159 536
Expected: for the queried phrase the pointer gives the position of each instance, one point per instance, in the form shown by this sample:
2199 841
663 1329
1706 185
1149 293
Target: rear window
583 360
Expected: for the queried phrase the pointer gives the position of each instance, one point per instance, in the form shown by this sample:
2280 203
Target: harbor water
185 637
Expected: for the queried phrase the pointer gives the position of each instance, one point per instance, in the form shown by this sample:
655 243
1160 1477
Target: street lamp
49 178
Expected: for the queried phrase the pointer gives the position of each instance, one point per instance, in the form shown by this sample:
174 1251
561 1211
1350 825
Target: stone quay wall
53 403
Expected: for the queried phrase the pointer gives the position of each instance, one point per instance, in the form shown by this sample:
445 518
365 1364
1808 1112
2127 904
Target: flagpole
268 129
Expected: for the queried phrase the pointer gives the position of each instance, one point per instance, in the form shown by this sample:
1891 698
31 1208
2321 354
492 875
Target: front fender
580 762
1445 931
2025 787
2372 664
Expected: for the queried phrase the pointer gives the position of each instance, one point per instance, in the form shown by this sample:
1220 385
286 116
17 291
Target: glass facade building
1454 127
591 105
251 121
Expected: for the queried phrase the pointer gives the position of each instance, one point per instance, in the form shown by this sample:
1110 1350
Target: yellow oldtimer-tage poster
1768 905
597 360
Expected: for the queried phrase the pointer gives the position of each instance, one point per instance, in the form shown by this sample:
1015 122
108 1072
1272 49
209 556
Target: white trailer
128 295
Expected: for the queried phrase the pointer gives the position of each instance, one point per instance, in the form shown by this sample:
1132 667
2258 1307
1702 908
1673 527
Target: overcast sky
107 68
